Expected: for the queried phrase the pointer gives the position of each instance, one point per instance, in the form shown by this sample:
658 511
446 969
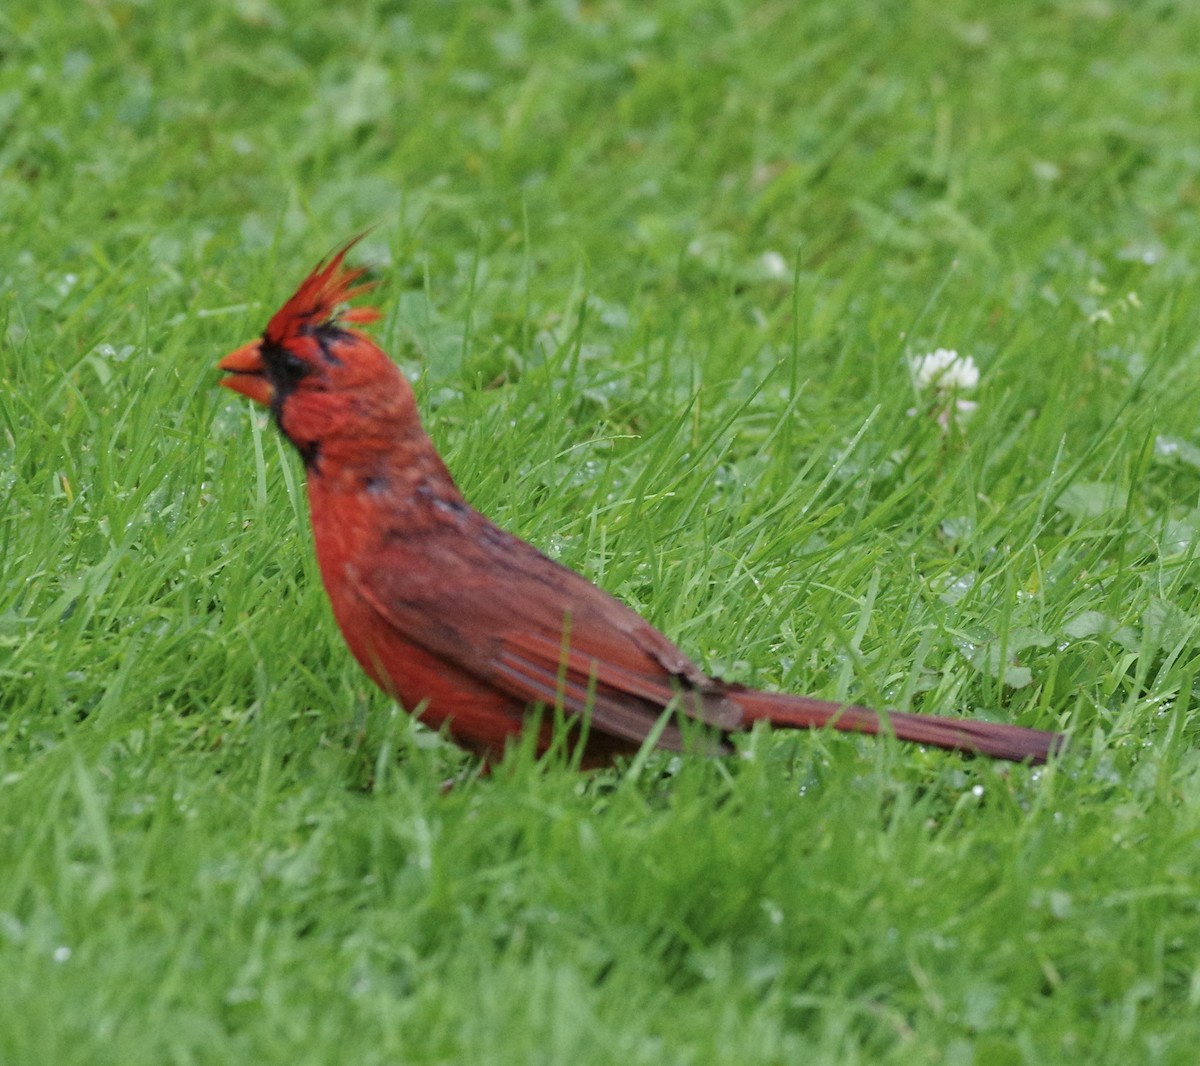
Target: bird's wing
486 602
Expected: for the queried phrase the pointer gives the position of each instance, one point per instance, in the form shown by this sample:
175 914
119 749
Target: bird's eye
285 368
293 367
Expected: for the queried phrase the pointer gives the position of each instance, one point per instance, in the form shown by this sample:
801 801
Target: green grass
219 845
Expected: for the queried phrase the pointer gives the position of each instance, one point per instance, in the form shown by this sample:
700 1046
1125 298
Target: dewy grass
659 274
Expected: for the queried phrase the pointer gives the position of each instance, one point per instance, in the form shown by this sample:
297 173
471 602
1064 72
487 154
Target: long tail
993 739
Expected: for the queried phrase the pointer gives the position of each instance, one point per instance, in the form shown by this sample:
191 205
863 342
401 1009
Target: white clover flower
773 265
947 374
944 370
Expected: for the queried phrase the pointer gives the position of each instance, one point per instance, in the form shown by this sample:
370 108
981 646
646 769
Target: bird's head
321 377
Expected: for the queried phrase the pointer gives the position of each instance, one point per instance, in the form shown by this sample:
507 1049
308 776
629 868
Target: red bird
465 624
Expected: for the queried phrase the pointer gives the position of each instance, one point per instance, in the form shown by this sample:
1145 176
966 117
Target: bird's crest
319 299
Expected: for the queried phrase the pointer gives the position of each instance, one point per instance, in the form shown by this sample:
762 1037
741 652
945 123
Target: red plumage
465 624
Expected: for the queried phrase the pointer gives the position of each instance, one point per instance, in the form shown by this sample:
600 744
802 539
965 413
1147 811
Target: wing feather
522 623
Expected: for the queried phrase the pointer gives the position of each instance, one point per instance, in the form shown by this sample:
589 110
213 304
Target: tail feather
994 739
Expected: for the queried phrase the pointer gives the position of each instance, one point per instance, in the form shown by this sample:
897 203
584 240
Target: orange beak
247 373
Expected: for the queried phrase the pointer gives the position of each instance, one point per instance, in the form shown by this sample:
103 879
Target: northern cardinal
465 624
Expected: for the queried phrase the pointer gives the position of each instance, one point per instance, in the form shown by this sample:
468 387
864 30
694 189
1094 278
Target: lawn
659 274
